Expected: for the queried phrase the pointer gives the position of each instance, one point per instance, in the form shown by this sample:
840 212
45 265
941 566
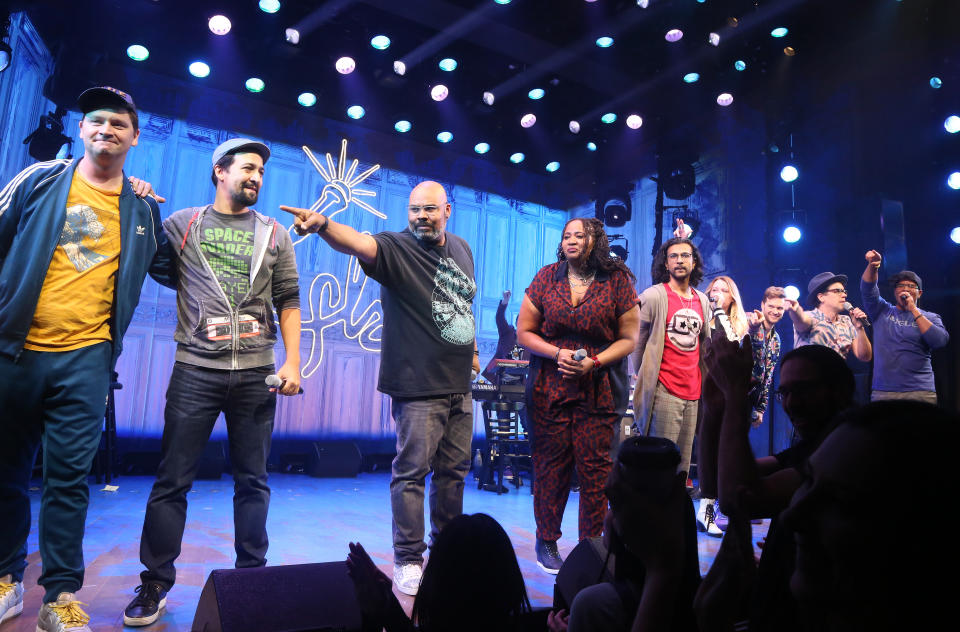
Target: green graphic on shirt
229 253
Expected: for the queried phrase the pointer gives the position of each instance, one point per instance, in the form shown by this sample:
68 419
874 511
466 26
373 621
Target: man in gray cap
904 335
234 267
76 241
824 324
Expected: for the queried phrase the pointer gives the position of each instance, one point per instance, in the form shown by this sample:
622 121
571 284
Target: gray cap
820 282
234 145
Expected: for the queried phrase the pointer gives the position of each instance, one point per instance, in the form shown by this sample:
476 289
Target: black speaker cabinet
295 598
333 459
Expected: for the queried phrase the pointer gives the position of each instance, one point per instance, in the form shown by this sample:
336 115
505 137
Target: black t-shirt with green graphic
227 243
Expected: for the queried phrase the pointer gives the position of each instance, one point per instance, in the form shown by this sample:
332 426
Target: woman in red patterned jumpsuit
585 301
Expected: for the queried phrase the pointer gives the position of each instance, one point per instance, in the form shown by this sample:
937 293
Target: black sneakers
146 606
548 557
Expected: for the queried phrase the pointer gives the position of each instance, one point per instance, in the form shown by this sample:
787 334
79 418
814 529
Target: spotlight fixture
714 39
574 127
953 180
6 55
552 166
789 51
502 1
136 52
792 234
536 94
269 6
219 25
780 31
634 121
792 292
791 225
488 98
952 124
643 4
356 111
448 64
481 148
674 35
724 99
528 120
789 173
255 84
620 252
445 137
614 210
345 65
380 42
307 99
400 68
517 158
292 36
733 22
609 118
402 126
605 41
591 146
199 69
935 83
439 92
691 77
740 65
955 235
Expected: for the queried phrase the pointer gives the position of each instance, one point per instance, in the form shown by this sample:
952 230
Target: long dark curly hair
598 248
658 269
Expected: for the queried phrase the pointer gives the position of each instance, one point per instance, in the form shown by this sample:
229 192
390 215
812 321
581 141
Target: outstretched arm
341 237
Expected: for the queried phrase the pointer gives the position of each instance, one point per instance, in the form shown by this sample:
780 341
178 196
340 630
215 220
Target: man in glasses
824 324
904 335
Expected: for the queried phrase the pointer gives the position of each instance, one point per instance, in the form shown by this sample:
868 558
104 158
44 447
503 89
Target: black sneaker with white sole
146 606
548 557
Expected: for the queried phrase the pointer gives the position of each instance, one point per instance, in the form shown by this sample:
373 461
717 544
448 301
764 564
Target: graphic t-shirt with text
680 366
227 243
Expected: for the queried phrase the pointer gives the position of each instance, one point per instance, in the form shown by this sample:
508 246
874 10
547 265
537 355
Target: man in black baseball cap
69 298
823 324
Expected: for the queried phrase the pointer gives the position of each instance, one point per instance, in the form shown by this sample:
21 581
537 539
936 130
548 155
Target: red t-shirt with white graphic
680 366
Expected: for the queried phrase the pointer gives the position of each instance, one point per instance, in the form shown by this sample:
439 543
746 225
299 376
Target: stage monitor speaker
296 598
333 459
582 568
213 462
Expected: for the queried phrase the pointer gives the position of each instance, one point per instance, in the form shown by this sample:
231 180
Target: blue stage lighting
536 93
780 31
136 52
356 111
380 42
604 42
307 99
952 124
955 235
691 77
553 166
935 82
481 148
445 137
609 117
740 65
402 126
269 6
792 234
789 173
199 69
255 84
592 146
517 158
792 292
953 180
448 64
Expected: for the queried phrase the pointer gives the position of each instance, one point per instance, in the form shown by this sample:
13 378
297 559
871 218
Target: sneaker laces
410 571
147 593
709 516
6 589
70 613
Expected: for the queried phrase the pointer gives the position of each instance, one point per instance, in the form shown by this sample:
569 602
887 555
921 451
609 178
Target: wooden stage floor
311 520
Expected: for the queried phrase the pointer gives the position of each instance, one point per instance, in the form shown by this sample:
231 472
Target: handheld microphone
275 381
579 354
863 319
721 317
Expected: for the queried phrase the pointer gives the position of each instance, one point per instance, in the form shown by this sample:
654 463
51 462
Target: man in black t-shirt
427 291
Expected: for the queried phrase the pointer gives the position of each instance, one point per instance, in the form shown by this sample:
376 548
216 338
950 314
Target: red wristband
596 362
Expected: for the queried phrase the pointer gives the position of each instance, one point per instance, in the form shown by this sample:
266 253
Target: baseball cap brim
239 145
105 97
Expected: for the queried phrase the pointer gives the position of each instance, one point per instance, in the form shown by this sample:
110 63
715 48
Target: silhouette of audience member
815 385
455 593
650 532
853 573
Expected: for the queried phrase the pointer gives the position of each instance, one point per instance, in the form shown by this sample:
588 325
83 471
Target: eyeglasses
836 290
800 389
426 209
907 286
673 256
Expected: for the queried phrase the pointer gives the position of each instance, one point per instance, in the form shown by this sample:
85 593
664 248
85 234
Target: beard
245 196
431 236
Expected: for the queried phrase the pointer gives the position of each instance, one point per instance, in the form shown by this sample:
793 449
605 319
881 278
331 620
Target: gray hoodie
210 332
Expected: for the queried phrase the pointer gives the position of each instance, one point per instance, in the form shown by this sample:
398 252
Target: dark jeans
57 400
195 398
433 433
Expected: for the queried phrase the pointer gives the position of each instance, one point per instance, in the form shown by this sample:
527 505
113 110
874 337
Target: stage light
502 1
356 111
488 98
448 64
517 158
574 127
780 31
618 251
255 84
445 137
643 4
199 69
614 209
402 126
724 99
691 77
955 235
219 24
292 36
345 65
792 292
733 22
740 65
400 68
528 120
789 51
674 35
439 92
6 55
481 148
605 41
789 173
536 94
552 166
634 121
792 234
591 146
952 124
714 39
307 99
380 42
935 82
953 180
609 117
269 6
136 52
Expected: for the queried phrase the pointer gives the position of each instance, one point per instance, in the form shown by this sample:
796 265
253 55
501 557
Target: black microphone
721 317
275 381
579 354
863 319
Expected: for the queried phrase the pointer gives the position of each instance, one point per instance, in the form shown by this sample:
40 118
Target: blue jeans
433 433
195 398
55 400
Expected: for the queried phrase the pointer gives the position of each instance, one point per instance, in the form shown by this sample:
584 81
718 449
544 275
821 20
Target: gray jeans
930 397
675 419
433 434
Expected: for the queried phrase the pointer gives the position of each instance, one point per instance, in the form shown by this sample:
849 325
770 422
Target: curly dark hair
658 269
598 248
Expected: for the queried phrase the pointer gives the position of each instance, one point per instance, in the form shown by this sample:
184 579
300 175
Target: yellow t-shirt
76 301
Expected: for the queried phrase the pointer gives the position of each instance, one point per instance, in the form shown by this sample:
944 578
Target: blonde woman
727 295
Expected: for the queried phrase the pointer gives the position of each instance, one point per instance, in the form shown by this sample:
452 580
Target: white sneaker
11 598
63 615
407 577
706 517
